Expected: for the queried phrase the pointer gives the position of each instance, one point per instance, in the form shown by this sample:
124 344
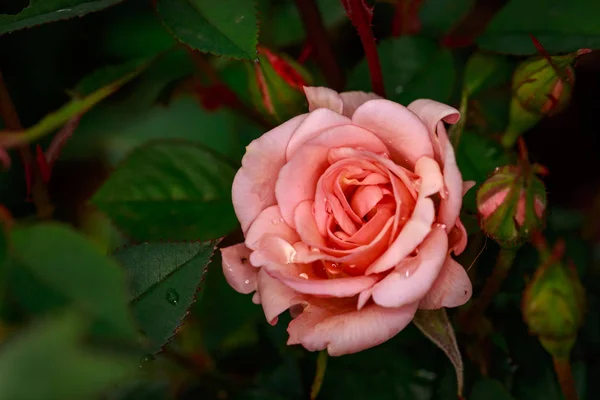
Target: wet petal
238 271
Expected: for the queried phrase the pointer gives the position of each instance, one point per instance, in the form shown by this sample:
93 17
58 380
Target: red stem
316 34
361 15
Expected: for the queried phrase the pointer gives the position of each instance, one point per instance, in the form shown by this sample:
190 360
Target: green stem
319 374
562 366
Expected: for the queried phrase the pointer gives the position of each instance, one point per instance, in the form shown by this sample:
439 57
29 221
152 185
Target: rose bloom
350 214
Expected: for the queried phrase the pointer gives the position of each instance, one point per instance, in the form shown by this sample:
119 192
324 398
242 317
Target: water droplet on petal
172 297
303 275
443 226
352 266
247 281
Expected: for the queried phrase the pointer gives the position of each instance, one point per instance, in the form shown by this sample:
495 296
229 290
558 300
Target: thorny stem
361 16
12 122
562 367
233 100
406 18
316 35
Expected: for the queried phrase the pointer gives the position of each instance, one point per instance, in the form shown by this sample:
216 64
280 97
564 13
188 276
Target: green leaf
43 11
226 28
489 389
437 327
413 67
171 190
560 26
437 17
71 266
48 361
163 280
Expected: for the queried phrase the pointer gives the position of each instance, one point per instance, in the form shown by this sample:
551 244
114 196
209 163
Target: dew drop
247 281
497 169
443 226
303 275
352 266
146 359
172 297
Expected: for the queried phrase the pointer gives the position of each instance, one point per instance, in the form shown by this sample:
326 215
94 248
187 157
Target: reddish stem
406 18
316 35
60 139
562 366
361 15
38 186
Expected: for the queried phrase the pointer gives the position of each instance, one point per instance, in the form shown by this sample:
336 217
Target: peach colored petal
412 234
298 178
303 281
306 227
253 188
452 288
365 198
371 229
457 238
405 284
322 97
238 271
346 330
467 185
270 248
275 297
451 203
402 131
431 113
269 222
432 180
317 122
353 100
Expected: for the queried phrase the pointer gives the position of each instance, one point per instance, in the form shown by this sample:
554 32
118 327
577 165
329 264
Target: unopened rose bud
542 86
511 204
553 305
276 85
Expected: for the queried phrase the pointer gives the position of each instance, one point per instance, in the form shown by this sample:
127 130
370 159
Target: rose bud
350 215
511 203
553 305
542 86
276 83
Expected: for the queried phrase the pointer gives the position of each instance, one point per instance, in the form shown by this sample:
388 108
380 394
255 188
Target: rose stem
361 16
39 192
406 18
319 374
504 262
562 366
233 100
316 35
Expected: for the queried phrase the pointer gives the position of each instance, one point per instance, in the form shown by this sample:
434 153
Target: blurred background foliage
71 330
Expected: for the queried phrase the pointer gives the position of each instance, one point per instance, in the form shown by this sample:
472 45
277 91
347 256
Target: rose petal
353 100
275 297
431 113
310 284
269 222
402 131
398 289
272 248
316 123
432 180
457 238
344 330
467 185
238 271
254 185
452 288
489 206
322 97
365 198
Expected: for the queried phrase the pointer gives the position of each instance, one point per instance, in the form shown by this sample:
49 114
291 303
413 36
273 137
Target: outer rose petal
317 122
269 222
452 288
397 289
275 297
343 329
238 271
402 131
432 113
353 100
322 97
254 184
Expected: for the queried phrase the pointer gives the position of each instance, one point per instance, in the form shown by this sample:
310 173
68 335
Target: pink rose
350 213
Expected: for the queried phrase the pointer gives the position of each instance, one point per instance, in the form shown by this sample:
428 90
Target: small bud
276 85
542 86
511 204
553 304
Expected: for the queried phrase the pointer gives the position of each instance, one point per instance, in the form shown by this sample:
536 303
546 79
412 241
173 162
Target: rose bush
350 214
